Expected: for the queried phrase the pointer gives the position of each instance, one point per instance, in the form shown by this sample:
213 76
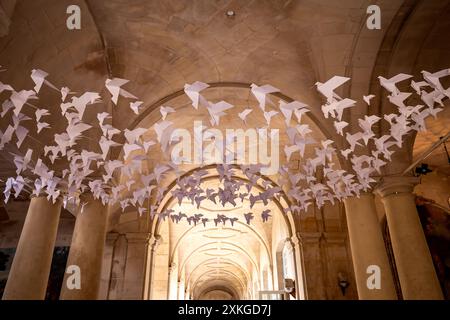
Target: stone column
181 290
30 268
300 283
307 258
159 289
415 267
367 248
134 276
119 259
108 266
188 292
86 250
173 281
153 244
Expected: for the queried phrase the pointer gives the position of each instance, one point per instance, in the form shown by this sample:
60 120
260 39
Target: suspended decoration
35 176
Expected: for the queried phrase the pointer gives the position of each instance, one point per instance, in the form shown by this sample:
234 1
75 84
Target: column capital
334 237
307 237
154 242
138 237
86 195
42 195
363 194
294 240
172 267
396 185
111 237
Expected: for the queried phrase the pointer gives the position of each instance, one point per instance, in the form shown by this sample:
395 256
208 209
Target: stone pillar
181 290
107 266
173 281
159 286
415 267
134 276
30 268
367 248
188 292
119 259
307 255
86 250
153 244
300 283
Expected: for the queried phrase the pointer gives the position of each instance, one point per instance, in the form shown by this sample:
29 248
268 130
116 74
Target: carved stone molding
396 185
315 237
138 237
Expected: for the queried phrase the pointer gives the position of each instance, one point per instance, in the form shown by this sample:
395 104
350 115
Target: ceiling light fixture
343 282
422 169
230 13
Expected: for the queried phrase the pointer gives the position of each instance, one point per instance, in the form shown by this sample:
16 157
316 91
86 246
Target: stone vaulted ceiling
161 45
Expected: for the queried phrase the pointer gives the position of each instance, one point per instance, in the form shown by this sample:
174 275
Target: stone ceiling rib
102 39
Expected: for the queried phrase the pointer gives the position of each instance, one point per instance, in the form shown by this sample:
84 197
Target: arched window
288 261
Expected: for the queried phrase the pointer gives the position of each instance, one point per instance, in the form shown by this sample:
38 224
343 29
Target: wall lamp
343 282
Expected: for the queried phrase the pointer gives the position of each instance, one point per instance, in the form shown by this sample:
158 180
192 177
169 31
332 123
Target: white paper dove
20 98
135 106
114 87
41 126
193 92
287 109
6 106
268 116
21 133
165 111
105 145
216 110
289 150
163 131
327 88
417 86
368 98
134 135
40 113
390 84
339 126
434 79
299 113
80 103
243 115
38 77
65 91
76 174
261 94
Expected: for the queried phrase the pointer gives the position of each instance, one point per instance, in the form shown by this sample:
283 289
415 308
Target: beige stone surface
161 45
412 257
86 251
368 249
31 265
